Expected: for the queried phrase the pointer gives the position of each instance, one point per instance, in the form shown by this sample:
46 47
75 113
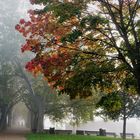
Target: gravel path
13 135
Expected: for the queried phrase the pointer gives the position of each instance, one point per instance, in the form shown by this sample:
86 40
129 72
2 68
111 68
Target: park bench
80 132
92 132
63 131
46 131
128 135
111 134
97 133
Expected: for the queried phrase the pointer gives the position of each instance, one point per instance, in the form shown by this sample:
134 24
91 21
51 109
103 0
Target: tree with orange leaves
66 35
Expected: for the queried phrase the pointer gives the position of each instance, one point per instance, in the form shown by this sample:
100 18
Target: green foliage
65 11
86 77
82 110
111 105
59 107
92 22
40 1
119 104
72 36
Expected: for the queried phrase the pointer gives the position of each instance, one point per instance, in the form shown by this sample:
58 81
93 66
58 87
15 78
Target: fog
11 12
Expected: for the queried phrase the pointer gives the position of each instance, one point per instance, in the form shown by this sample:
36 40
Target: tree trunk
40 125
137 76
37 122
3 119
124 116
124 128
9 118
3 124
34 122
28 124
74 129
138 84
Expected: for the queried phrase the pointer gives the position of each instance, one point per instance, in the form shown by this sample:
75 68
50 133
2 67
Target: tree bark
9 118
3 119
124 128
40 125
28 124
124 116
34 122
37 122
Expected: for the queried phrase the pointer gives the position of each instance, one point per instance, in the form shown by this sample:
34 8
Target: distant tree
9 91
42 100
30 98
119 105
81 111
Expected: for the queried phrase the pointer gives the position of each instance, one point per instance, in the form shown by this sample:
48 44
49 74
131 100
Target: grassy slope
67 137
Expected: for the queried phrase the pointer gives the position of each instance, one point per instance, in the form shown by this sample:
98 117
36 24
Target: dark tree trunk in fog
28 122
9 118
34 121
3 119
40 125
124 116
37 118
124 128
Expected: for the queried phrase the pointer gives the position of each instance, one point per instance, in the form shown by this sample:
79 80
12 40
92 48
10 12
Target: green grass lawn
67 137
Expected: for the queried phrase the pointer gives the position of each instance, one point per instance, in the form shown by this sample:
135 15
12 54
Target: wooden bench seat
80 132
128 135
63 132
111 134
47 131
92 133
